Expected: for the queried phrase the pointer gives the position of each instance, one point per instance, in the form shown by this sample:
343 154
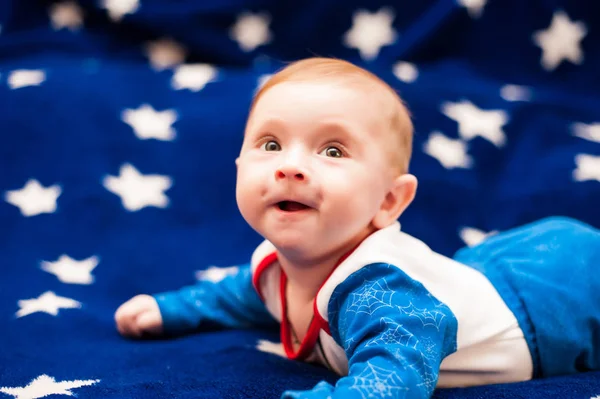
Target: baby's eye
271 145
332 152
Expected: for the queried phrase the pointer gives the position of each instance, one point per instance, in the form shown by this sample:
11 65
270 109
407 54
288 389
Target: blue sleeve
231 302
394 333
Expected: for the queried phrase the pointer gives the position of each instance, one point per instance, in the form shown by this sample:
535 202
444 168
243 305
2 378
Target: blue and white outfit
396 319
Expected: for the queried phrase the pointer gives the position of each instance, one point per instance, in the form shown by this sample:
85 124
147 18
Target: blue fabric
68 131
394 332
231 302
546 272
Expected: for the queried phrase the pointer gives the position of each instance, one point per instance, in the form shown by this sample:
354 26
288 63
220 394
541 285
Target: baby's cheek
249 194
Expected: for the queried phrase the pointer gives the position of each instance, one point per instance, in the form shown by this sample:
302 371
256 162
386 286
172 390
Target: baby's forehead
373 95
362 89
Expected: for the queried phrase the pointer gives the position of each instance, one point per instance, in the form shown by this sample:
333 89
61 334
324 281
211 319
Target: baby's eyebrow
340 129
272 123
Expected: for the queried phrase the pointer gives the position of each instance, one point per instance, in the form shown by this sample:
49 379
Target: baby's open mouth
291 206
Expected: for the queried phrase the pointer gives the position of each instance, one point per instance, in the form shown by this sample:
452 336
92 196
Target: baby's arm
395 335
231 302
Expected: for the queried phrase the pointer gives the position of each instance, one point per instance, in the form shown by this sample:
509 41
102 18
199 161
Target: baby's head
333 72
325 158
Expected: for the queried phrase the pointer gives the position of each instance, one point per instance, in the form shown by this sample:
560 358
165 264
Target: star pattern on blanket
148 123
67 14
472 236
451 153
406 71
474 7
26 77
48 302
251 30
193 76
588 167
560 41
44 385
473 121
165 53
34 199
370 32
138 191
589 132
71 271
117 9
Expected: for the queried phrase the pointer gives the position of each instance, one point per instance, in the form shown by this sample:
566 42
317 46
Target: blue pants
548 273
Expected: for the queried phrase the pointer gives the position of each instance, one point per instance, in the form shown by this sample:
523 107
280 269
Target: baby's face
312 172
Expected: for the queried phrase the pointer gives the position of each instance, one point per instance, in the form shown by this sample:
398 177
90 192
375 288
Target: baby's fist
139 315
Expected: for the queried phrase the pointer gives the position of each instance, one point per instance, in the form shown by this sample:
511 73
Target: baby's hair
331 70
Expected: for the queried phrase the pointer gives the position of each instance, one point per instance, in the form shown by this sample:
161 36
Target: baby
323 177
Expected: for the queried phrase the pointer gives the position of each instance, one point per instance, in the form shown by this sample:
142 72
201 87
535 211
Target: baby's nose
290 172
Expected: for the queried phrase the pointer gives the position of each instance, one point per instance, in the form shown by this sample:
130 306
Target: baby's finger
133 329
125 318
150 322
123 328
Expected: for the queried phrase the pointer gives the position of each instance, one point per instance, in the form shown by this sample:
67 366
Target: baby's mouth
291 206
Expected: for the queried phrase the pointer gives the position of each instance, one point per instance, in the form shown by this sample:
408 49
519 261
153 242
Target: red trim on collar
323 324
262 266
317 324
310 339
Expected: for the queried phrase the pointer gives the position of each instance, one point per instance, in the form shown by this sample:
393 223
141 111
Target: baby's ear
396 201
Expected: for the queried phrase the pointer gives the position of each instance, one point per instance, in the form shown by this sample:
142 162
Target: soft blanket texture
121 119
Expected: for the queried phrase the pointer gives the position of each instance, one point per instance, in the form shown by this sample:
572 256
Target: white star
515 93
588 167
193 76
70 271
45 385
118 8
472 236
474 7
275 348
25 77
165 53
48 302
560 41
215 274
148 123
450 153
138 191
587 132
251 30
34 198
474 122
405 71
67 14
370 32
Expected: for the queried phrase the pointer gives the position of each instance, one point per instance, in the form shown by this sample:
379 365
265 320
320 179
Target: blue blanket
120 121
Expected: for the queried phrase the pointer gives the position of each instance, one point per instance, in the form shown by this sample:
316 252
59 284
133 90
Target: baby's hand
139 315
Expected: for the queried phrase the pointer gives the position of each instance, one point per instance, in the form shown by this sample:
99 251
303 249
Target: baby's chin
288 240
292 243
